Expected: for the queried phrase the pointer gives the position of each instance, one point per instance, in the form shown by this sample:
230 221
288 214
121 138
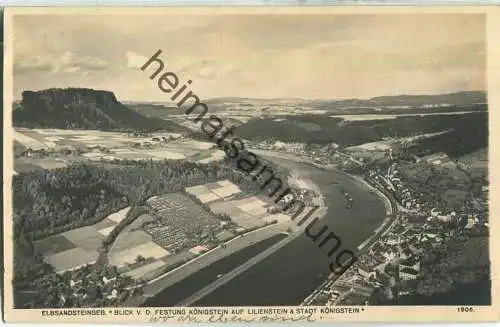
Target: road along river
293 271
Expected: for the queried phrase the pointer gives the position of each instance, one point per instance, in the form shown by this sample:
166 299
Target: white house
408 274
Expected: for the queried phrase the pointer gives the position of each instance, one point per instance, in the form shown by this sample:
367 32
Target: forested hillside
470 131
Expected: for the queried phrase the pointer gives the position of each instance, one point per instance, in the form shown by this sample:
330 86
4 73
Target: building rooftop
407 270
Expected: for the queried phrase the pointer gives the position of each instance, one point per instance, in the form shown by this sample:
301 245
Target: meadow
132 242
175 229
57 148
178 229
78 247
246 211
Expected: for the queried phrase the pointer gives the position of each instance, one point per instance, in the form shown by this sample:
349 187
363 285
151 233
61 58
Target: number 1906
465 309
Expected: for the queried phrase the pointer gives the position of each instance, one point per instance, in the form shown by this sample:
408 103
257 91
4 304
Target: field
104 146
175 228
54 244
212 156
222 189
180 221
155 268
132 242
146 250
132 235
30 141
117 217
77 247
246 212
371 146
145 269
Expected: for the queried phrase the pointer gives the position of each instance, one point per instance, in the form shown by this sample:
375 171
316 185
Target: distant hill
80 108
221 101
153 110
469 100
457 99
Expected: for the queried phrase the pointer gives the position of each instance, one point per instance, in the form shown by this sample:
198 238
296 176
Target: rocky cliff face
79 108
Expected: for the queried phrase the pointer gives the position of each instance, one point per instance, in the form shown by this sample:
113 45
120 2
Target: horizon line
266 98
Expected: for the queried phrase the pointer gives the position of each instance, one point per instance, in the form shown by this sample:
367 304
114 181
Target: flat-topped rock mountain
81 108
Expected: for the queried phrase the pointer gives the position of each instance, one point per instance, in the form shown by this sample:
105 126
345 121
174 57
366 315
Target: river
289 275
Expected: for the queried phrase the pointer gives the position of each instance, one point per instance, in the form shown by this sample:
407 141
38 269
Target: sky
329 56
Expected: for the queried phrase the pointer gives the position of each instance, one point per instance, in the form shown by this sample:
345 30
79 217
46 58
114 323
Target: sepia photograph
246 165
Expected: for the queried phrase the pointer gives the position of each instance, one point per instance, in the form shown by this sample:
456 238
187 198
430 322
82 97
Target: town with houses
391 263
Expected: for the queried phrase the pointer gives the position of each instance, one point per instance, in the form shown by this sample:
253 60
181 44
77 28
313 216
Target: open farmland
25 164
181 222
146 250
175 227
72 259
18 148
371 146
54 244
154 268
222 189
178 229
31 141
240 217
146 269
117 217
133 237
77 247
62 147
212 156
247 212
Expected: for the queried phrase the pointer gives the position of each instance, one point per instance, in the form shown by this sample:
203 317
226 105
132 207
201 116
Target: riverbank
296 231
302 263
155 286
390 221
301 181
390 204
182 290
390 207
